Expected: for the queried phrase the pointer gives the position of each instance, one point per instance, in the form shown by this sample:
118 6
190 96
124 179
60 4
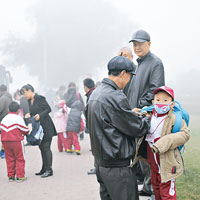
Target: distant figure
40 109
60 93
97 83
89 87
73 95
13 129
61 115
23 103
5 100
75 125
59 96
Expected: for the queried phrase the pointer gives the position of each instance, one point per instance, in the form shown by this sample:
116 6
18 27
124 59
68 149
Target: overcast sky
173 26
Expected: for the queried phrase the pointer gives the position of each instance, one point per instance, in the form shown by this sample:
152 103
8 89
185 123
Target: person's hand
37 117
148 115
27 115
136 110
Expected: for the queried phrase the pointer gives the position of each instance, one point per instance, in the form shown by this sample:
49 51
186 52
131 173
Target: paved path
70 180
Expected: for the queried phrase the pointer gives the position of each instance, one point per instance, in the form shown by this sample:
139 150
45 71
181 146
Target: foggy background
49 43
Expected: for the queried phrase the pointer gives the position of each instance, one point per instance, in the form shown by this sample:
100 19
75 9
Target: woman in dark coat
40 109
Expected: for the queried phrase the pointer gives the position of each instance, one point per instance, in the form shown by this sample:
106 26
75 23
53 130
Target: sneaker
11 179
70 151
78 152
21 179
2 154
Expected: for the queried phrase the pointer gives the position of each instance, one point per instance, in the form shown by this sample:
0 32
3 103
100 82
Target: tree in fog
72 38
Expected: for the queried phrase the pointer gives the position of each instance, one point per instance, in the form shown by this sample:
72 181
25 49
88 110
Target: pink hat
168 90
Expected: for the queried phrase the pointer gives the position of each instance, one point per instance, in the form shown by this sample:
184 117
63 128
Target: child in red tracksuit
162 152
12 130
60 123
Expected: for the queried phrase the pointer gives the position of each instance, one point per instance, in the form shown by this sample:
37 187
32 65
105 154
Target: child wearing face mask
162 145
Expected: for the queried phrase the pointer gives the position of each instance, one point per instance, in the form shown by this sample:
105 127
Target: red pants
163 191
15 160
62 142
72 139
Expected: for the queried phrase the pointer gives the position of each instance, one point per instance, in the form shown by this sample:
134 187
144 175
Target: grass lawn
188 185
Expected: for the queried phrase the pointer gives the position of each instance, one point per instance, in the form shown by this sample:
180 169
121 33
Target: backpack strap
178 122
178 125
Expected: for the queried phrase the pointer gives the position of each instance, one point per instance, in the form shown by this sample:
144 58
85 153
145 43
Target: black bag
36 135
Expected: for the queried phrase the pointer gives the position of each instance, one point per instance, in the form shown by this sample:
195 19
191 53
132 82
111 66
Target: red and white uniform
163 191
12 130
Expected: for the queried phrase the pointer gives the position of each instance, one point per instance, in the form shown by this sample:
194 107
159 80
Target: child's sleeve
22 126
172 140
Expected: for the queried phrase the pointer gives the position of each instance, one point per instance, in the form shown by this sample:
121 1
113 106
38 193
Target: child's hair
13 106
26 88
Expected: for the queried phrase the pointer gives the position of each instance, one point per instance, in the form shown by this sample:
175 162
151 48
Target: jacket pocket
170 159
177 156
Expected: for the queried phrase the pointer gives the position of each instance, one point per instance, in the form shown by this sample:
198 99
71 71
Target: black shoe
92 171
47 173
40 173
143 193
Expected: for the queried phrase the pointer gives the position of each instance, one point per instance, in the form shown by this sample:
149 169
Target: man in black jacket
113 127
149 76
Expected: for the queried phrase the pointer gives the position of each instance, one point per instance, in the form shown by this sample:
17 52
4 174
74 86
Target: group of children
69 122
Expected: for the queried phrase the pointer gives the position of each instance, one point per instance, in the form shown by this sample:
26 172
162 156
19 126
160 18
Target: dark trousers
117 183
46 154
146 170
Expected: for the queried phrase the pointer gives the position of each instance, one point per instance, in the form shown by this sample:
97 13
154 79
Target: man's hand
27 115
136 110
37 117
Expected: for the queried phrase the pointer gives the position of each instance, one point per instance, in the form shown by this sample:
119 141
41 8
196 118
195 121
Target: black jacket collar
110 82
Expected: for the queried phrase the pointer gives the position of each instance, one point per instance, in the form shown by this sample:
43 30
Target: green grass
188 185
